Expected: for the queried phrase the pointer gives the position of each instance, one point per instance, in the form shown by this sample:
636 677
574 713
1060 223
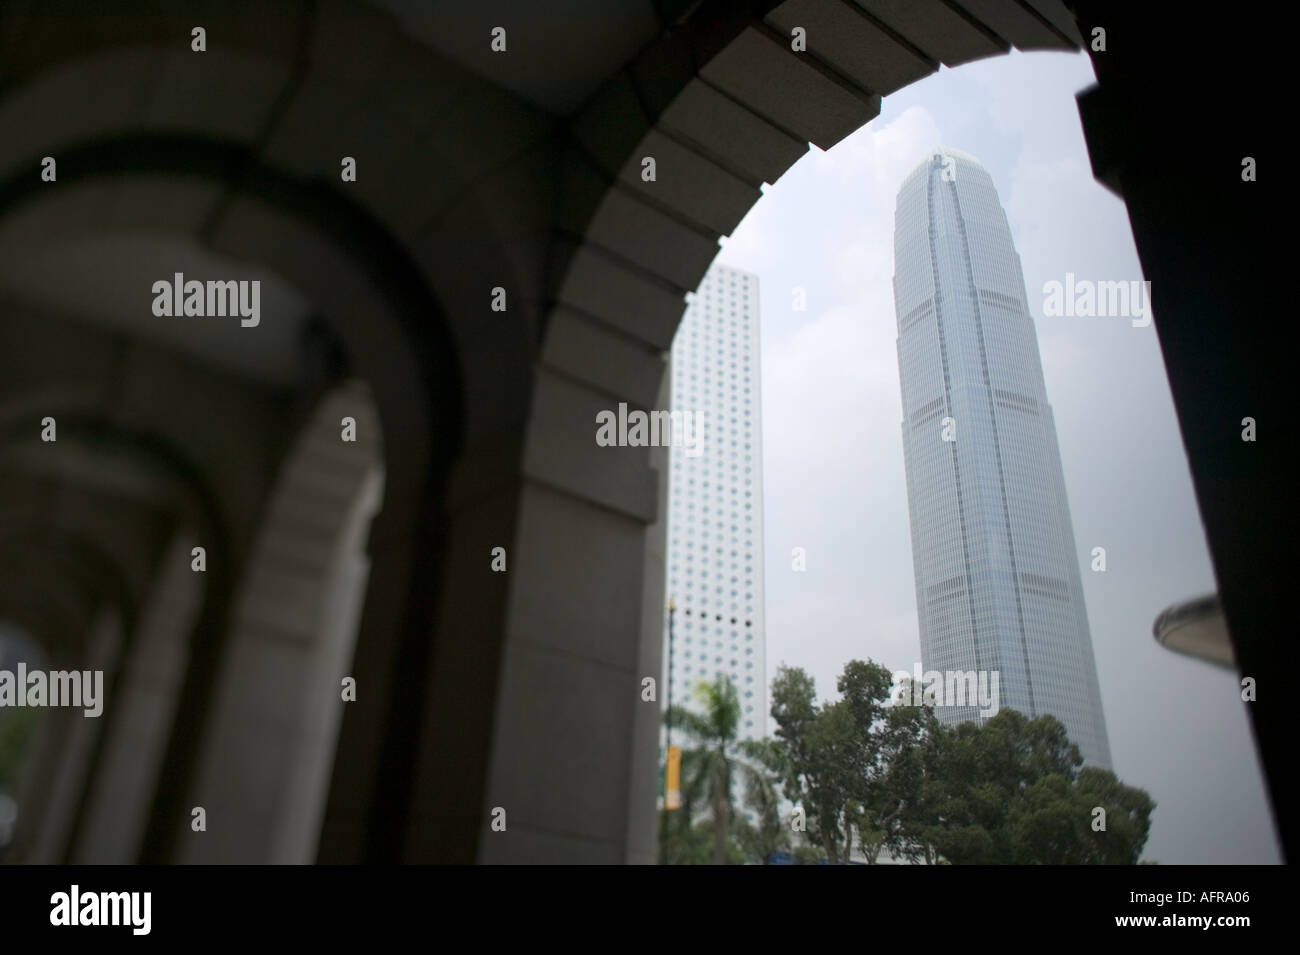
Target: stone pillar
270 735
121 796
573 757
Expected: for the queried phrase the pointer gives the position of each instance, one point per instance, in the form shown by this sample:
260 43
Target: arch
265 762
464 220
50 566
418 401
724 104
130 549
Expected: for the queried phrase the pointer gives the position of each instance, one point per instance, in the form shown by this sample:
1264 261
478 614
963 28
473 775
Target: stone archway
269 742
474 177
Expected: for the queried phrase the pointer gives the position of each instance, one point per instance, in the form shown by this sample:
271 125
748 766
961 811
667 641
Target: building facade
715 523
998 585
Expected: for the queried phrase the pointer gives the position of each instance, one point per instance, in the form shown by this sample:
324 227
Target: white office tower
715 516
997 573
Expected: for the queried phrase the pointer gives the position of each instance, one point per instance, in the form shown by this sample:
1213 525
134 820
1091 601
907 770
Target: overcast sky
833 453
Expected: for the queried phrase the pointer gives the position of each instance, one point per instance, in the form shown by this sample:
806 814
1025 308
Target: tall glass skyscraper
715 511
997 574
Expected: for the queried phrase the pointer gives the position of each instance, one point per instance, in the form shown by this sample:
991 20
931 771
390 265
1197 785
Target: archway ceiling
558 52
114 270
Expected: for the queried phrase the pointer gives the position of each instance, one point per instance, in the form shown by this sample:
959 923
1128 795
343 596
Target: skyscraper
715 515
997 574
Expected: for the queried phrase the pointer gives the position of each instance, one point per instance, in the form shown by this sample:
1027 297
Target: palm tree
707 770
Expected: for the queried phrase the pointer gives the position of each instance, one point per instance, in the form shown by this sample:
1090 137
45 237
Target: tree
1128 816
896 793
709 768
832 751
1014 791
691 840
811 741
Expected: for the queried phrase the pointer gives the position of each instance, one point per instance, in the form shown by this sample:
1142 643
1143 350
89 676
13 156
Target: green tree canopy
1013 790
